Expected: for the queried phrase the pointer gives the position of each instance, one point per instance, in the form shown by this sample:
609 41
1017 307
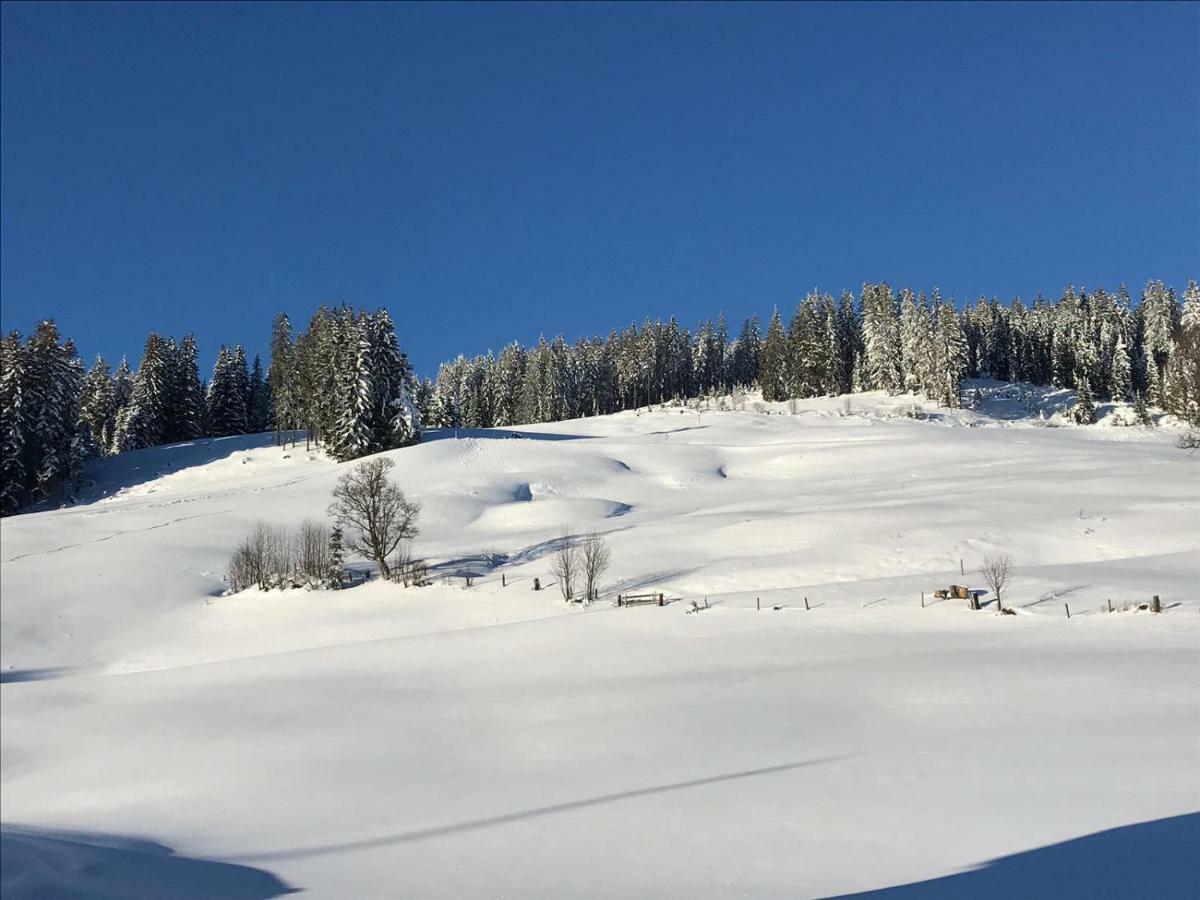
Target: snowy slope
440 742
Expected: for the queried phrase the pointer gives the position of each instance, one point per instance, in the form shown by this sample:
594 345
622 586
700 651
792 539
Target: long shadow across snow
16 676
422 834
1150 859
37 863
112 474
497 434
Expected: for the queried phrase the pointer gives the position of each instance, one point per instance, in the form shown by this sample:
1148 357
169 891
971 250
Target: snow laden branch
376 514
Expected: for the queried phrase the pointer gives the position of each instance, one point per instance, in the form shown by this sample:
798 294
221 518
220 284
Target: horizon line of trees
1099 344
347 384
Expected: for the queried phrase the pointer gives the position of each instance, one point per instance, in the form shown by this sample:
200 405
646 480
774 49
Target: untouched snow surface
160 739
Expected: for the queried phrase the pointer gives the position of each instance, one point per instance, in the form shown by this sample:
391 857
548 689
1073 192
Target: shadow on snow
422 834
1149 859
72 866
496 434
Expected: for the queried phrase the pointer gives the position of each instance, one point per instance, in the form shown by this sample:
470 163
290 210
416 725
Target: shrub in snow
595 559
277 557
565 564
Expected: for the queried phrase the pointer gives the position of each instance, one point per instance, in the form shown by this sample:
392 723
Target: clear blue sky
490 172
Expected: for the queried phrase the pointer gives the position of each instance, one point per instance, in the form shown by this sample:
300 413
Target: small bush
408 569
272 556
1189 441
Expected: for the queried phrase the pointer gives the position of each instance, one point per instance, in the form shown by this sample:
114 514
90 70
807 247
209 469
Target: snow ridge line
109 537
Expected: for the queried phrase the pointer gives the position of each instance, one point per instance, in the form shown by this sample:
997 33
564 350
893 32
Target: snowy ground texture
163 740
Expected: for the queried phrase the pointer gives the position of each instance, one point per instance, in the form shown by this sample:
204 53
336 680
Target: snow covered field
160 739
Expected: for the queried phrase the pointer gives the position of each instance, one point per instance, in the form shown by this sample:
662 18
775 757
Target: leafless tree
312 551
596 558
997 572
375 511
564 565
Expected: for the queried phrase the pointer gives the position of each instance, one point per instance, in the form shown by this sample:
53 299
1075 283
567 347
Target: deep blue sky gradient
490 172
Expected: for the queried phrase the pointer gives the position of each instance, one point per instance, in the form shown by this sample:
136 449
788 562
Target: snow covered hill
445 742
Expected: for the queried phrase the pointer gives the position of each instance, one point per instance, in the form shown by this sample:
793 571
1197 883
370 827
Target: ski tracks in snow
115 534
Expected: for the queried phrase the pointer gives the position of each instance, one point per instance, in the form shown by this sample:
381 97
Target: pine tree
1120 379
183 403
14 480
1140 411
122 385
849 341
394 416
914 334
746 351
142 422
98 406
227 394
1084 412
350 435
949 357
1159 314
282 378
881 339
772 367
510 373
1181 380
337 564
259 412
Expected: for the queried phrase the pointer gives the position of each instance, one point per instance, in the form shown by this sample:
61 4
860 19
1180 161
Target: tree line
348 385
1100 344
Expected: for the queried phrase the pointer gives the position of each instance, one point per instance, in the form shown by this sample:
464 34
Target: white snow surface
160 738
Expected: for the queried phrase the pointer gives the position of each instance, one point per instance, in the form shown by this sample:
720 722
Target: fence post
660 600
1068 608
537 584
503 580
806 604
922 599
758 603
961 570
1110 604
1156 605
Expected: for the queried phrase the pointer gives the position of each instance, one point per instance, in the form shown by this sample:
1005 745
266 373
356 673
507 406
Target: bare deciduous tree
997 572
377 513
596 560
564 565
272 556
312 550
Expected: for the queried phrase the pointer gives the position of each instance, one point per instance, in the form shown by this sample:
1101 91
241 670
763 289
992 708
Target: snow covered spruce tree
260 412
227 393
949 357
143 421
354 385
1159 318
183 406
772 366
881 339
745 355
44 440
1181 380
282 378
98 405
